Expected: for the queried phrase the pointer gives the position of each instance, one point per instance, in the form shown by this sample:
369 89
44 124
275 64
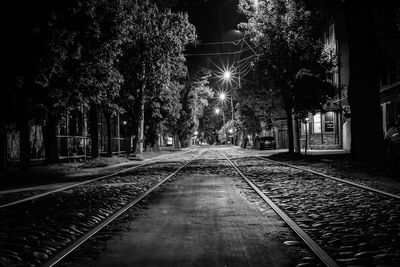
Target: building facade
330 128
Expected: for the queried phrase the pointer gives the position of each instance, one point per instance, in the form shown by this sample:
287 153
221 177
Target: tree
153 52
311 92
286 42
99 33
64 54
193 100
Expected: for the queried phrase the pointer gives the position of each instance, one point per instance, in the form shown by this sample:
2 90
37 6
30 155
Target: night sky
213 18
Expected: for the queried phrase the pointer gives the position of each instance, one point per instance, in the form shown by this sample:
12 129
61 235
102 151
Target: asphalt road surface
202 220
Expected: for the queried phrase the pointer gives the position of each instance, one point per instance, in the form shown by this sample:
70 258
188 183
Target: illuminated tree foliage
195 97
153 64
286 42
102 54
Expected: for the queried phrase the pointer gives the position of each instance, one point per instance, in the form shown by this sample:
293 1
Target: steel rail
321 254
78 184
365 187
62 254
71 186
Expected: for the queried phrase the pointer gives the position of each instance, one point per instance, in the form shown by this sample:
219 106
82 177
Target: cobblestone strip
31 232
373 185
355 226
211 163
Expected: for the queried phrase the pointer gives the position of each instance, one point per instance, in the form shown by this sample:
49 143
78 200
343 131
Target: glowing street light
217 111
227 75
222 96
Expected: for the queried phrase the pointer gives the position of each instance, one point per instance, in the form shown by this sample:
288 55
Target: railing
73 147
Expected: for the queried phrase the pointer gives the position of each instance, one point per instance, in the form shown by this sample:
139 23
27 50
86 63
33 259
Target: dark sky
213 18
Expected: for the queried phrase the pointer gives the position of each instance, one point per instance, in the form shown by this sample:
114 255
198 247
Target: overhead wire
226 42
216 53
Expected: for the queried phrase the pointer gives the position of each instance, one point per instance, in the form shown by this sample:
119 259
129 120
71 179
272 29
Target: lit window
317 123
329 122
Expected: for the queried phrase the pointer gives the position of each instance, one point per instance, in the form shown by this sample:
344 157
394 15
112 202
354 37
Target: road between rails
206 216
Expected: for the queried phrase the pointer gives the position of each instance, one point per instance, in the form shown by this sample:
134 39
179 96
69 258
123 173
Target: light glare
227 75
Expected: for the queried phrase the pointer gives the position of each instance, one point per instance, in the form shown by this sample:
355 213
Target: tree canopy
286 42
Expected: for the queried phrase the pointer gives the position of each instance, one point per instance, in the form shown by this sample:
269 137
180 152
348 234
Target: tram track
35 231
12 198
319 252
342 224
43 193
353 224
222 167
59 256
382 192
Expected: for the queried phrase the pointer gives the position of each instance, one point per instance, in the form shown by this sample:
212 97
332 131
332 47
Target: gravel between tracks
384 176
355 226
210 164
32 232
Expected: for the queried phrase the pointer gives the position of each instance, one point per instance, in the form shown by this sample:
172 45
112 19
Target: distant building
330 128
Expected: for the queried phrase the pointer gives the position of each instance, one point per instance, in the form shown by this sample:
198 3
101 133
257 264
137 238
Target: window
303 129
317 123
329 122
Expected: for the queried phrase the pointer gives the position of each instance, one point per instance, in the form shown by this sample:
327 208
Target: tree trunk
109 135
363 90
94 131
50 140
290 129
140 129
296 135
177 142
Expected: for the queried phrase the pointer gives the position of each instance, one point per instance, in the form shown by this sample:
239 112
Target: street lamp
227 75
306 132
195 137
222 96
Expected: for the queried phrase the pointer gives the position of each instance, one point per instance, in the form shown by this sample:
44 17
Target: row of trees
108 55
291 65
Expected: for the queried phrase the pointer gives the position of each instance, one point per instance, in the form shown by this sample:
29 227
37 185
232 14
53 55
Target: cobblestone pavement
206 216
383 176
59 181
355 226
31 232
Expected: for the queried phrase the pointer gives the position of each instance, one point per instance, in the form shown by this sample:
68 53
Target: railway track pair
320 252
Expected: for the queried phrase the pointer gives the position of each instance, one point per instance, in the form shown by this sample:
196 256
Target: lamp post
227 76
195 137
306 132
218 111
